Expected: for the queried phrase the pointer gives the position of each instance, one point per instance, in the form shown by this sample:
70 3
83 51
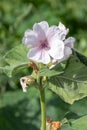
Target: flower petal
40 32
29 32
70 42
45 58
57 48
30 38
51 32
39 55
34 54
44 25
67 53
63 31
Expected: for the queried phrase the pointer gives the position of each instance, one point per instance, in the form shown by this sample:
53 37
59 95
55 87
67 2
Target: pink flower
45 43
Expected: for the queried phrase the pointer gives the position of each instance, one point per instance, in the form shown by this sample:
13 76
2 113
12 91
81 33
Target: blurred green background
20 111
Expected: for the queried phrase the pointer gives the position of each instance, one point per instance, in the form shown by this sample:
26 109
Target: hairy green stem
43 109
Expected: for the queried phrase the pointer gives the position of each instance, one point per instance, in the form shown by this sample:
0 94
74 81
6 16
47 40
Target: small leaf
58 69
16 58
72 84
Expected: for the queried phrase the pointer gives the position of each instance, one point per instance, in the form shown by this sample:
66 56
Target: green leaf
79 108
58 69
1 64
66 127
80 124
15 59
72 84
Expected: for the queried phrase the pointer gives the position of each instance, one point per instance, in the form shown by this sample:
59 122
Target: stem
43 109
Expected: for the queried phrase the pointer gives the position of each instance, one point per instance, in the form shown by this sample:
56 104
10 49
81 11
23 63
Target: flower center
44 45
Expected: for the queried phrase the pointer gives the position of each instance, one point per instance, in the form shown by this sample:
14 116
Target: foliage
13 109
72 84
68 79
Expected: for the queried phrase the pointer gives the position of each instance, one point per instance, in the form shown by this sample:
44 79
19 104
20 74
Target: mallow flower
48 43
44 43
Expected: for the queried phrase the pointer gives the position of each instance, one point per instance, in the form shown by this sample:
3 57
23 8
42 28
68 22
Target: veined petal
30 38
44 25
57 48
39 55
30 41
70 42
34 54
67 53
29 32
45 58
40 32
51 32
